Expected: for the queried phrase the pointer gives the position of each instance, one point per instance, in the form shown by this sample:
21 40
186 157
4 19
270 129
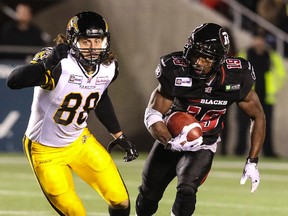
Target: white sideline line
21 193
200 203
13 160
167 201
32 213
214 173
261 165
273 165
253 207
40 194
243 206
41 213
264 177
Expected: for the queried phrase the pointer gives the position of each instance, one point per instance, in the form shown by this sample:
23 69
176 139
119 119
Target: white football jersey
59 116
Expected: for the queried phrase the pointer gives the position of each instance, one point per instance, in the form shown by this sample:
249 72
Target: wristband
152 116
252 160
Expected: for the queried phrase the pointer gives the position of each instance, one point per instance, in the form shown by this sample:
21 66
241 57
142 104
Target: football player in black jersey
204 82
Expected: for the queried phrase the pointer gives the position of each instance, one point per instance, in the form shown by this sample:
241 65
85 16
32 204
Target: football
177 120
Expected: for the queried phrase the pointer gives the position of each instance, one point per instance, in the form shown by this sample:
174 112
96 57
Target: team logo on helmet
224 38
73 24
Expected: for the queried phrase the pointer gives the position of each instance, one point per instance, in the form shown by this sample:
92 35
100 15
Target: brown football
177 120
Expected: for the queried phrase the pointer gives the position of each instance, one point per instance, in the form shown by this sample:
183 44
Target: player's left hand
126 145
251 171
59 52
180 143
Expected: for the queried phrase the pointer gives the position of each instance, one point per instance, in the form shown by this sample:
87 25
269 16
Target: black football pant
161 167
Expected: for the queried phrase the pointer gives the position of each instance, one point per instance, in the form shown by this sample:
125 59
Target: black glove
126 145
59 52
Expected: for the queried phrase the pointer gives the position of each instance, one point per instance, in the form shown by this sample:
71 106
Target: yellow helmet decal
73 24
106 25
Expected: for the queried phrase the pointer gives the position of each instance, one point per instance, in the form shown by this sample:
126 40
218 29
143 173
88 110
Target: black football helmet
88 25
209 41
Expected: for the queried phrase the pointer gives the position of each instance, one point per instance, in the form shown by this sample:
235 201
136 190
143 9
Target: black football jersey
207 102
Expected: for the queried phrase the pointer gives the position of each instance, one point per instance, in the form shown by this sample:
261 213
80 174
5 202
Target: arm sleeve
106 114
27 76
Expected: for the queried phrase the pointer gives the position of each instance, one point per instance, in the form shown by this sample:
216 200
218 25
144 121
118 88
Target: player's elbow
12 82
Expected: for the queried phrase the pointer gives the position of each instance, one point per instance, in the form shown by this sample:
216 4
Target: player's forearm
27 76
106 114
159 131
257 135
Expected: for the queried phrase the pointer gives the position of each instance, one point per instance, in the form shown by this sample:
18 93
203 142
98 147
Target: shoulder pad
42 54
237 64
175 58
170 62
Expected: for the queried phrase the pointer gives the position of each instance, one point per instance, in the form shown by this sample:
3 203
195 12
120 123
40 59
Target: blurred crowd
21 31
274 11
268 66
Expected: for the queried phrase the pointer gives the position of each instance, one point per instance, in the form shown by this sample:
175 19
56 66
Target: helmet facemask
200 52
91 56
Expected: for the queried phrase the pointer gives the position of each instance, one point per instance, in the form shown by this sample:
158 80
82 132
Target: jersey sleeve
249 78
164 74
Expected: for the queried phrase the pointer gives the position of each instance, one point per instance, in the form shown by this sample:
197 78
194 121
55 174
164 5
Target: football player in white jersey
70 80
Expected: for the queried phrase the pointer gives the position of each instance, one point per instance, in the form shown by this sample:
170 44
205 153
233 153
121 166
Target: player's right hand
59 52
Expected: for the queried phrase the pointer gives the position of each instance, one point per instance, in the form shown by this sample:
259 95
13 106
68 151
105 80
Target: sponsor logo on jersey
87 87
183 81
213 102
208 90
234 87
101 80
75 79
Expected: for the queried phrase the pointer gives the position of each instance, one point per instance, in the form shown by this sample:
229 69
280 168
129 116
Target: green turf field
221 194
